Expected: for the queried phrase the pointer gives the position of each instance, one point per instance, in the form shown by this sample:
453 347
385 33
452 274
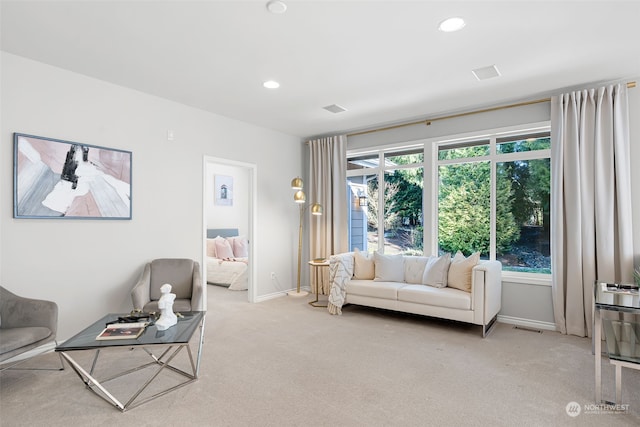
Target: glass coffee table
169 343
623 345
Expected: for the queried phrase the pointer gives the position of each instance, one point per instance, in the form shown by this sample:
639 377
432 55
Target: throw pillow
211 248
240 246
460 271
436 271
388 268
363 266
223 248
414 268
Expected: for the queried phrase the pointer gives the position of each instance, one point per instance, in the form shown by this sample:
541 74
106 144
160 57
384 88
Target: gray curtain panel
591 234
328 234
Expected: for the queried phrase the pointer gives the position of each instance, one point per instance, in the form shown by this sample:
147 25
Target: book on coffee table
122 331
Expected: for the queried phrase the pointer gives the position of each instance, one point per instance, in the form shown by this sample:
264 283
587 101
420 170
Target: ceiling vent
335 108
485 73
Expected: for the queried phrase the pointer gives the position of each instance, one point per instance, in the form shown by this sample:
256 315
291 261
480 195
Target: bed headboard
212 233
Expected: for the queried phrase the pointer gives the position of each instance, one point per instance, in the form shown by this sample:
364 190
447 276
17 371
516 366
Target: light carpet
284 363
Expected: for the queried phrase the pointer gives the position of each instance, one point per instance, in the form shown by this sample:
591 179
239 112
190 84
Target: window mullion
494 216
381 187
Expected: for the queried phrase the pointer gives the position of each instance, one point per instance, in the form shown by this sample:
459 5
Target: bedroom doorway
229 200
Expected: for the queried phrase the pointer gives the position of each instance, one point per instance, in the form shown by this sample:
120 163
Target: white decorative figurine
167 317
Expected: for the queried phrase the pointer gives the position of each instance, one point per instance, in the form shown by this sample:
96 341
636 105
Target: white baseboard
527 323
279 294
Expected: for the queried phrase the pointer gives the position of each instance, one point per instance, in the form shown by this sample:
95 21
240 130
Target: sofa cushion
460 271
436 271
414 268
14 338
441 297
389 268
368 288
363 265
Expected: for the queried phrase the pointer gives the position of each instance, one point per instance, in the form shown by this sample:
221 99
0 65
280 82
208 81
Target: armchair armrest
141 293
19 312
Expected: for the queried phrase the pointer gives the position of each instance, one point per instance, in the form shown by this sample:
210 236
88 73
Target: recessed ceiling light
276 7
451 24
271 84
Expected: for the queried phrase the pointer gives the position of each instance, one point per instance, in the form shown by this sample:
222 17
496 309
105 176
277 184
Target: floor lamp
316 209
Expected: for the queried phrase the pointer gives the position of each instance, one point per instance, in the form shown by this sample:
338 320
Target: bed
227 259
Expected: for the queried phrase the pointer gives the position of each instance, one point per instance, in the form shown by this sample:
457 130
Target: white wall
89 266
523 303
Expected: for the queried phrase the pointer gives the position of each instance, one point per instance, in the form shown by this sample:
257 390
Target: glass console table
622 337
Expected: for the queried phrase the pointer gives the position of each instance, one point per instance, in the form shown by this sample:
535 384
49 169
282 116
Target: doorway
229 201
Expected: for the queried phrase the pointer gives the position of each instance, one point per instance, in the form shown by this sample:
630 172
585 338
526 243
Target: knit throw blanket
340 272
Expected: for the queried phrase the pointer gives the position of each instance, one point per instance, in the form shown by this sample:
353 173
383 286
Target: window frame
382 152
430 166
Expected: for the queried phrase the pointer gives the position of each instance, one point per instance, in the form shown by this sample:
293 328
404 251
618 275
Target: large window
494 197
385 196
489 194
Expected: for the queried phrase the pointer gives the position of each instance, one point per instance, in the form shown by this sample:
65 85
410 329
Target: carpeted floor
285 363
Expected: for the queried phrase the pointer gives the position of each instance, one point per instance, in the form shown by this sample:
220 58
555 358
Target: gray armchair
184 277
25 324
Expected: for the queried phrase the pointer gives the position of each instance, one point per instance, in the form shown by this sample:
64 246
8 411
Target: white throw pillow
211 248
240 246
388 268
436 271
223 248
460 271
363 265
414 268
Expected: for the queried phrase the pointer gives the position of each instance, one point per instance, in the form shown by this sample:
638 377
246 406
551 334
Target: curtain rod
427 122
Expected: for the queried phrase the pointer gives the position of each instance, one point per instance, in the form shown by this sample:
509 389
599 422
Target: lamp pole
316 209
302 209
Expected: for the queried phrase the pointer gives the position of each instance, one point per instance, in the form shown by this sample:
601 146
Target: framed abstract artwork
223 190
69 180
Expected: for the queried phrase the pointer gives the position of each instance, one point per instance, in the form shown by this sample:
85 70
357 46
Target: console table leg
597 343
618 384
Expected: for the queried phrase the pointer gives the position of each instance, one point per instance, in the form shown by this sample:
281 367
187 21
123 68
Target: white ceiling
385 61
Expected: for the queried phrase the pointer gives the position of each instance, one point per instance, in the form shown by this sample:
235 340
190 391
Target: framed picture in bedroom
223 190
60 179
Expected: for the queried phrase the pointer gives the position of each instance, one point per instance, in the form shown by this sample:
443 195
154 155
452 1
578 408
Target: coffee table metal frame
147 341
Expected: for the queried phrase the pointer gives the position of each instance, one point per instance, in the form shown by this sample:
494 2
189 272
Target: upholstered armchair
25 324
184 277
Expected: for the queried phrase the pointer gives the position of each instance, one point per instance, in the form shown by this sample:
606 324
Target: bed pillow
211 248
223 248
460 271
436 271
414 268
240 246
363 265
388 268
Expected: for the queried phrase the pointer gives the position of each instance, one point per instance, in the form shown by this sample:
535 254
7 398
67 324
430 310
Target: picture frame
59 179
223 188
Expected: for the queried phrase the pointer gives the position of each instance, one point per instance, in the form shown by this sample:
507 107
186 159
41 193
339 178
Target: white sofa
480 306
